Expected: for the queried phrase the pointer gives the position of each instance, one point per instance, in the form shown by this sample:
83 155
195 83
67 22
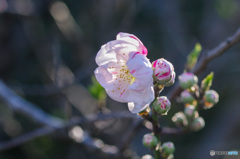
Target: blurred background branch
47 58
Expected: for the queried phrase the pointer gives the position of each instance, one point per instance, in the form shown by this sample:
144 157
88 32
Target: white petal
140 97
140 67
103 76
114 51
105 56
134 108
116 96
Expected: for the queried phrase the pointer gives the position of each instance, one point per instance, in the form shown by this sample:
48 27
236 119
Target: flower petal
140 67
140 97
103 76
134 40
104 56
134 108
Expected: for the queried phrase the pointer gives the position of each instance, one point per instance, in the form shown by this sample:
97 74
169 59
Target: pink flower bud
168 148
186 97
171 82
211 96
189 111
163 71
197 124
161 105
187 80
150 141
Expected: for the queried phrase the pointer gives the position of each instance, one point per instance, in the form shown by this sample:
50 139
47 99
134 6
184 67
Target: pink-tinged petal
127 37
115 96
134 40
143 48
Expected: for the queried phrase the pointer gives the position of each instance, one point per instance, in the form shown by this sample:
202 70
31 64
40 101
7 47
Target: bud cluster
193 99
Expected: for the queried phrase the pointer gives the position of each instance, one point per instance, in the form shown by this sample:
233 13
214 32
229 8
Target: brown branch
202 64
217 51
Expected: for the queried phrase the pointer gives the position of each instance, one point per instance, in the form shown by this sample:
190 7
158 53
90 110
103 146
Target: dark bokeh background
47 44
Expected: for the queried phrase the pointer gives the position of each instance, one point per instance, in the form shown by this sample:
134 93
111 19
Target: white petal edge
134 108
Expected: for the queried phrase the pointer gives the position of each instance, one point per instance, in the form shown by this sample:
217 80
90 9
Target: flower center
122 79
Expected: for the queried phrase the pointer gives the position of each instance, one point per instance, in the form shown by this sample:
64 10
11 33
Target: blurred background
47 57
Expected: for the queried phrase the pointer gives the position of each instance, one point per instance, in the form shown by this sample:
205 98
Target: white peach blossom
125 72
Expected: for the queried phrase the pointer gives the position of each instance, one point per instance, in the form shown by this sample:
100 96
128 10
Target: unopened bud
161 105
187 80
197 124
171 82
168 148
147 157
180 119
150 141
186 97
189 111
211 96
163 71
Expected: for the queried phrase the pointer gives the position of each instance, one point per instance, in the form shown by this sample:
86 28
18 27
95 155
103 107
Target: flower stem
156 128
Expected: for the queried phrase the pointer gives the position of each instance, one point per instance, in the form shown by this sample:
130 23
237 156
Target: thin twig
217 51
172 131
202 64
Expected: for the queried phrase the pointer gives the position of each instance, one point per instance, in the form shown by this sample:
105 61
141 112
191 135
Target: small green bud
161 105
147 157
150 141
197 124
211 96
168 148
187 80
180 119
186 97
189 111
